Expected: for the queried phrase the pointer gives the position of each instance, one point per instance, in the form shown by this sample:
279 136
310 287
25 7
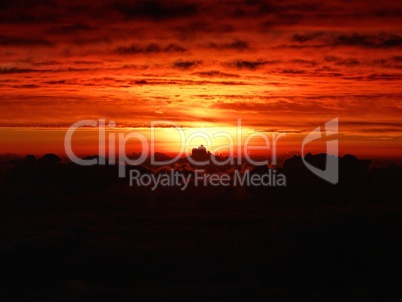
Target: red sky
280 66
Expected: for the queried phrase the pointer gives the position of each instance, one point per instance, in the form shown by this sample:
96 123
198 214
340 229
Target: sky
279 66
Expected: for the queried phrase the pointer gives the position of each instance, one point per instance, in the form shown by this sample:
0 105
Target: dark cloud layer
24 41
182 64
379 40
246 64
128 59
216 73
151 48
236 44
12 70
156 10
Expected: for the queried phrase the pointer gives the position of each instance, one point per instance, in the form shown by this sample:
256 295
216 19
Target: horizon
86 141
376 162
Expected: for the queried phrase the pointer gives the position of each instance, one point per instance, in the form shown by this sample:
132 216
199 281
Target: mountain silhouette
80 233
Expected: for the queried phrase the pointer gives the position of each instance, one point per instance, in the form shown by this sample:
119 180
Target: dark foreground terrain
72 233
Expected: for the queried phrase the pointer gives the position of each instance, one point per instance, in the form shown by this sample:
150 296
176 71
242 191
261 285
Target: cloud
331 58
215 74
10 70
348 62
382 40
156 10
373 124
83 62
151 48
137 44
385 76
72 29
379 40
304 62
59 82
293 71
180 64
129 50
188 30
47 63
250 65
236 44
302 38
27 86
24 41
174 48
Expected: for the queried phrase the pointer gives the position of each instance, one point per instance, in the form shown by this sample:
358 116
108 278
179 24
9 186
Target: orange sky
280 66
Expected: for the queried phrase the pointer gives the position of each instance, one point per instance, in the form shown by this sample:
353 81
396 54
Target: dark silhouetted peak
317 160
296 162
292 163
15 161
350 157
200 153
260 170
10 158
97 157
352 163
161 156
29 159
49 158
394 167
